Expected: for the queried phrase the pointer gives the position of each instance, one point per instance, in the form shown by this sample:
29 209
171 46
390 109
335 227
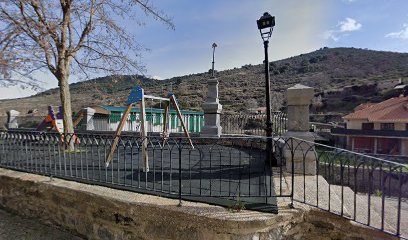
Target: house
380 128
106 118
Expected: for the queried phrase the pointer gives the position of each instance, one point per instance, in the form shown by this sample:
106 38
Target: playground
212 170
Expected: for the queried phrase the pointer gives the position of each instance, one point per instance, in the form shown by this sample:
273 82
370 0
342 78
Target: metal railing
364 189
253 124
221 171
364 132
226 171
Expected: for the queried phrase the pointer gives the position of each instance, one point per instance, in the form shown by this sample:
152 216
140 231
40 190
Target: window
389 146
387 126
367 126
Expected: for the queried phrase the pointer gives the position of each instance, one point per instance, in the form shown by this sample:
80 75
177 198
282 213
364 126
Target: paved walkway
19 228
305 189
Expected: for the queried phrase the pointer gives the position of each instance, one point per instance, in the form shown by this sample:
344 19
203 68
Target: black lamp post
214 45
265 26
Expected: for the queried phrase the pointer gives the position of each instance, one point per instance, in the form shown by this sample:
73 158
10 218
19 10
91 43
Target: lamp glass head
266 21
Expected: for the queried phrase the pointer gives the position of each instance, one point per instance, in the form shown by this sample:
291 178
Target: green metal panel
201 121
114 117
158 119
178 121
148 110
198 125
172 120
191 128
133 117
149 117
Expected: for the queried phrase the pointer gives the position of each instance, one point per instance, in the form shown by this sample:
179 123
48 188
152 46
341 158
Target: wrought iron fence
364 189
221 171
253 124
226 171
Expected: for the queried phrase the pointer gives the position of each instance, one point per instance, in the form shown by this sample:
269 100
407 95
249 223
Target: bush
254 123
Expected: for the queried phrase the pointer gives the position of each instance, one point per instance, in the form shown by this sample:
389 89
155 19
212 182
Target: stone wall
3 122
359 181
96 212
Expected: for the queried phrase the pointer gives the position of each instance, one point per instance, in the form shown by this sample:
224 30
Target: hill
327 70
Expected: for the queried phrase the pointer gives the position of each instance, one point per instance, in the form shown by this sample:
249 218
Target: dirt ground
19 228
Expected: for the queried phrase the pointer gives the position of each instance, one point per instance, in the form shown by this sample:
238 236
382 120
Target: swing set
137 95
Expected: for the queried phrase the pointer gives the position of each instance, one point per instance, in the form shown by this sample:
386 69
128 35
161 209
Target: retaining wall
96 212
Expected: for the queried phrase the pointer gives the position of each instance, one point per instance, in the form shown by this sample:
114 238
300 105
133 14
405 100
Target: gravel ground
16 227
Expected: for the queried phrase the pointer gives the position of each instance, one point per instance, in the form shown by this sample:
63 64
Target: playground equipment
79 117
137 95
55 121
52 121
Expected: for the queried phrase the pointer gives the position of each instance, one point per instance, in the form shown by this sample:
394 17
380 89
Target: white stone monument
89 115
12 118
212 110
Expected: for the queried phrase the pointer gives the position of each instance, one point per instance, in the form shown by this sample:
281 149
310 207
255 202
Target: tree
251 105
277 100
69 36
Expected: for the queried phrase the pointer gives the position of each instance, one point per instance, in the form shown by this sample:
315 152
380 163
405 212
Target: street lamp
214 45
265 26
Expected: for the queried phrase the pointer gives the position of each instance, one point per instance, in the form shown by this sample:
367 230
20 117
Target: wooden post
173 99
117 134
78 117
143 134
165 133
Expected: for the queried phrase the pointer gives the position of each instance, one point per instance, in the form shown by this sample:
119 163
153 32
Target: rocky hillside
328 70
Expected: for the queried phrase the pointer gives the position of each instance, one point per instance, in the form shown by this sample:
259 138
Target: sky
302 26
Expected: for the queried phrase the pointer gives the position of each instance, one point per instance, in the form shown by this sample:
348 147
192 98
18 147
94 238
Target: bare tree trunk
65 97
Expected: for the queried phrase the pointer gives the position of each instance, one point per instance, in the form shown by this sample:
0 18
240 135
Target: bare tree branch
69 36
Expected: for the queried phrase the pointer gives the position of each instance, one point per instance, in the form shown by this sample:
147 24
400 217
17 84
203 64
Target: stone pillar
212 110
303 152
12 119
88 116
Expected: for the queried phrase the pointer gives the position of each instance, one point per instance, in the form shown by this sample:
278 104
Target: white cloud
349 1
403 34
330 34
347 25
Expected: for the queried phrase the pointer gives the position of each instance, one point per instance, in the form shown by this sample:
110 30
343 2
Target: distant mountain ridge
327 69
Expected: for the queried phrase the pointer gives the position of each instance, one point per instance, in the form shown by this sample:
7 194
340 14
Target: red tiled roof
390 111
363 105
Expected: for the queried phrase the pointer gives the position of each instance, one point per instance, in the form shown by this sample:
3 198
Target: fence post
399 202
292 173
179 163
